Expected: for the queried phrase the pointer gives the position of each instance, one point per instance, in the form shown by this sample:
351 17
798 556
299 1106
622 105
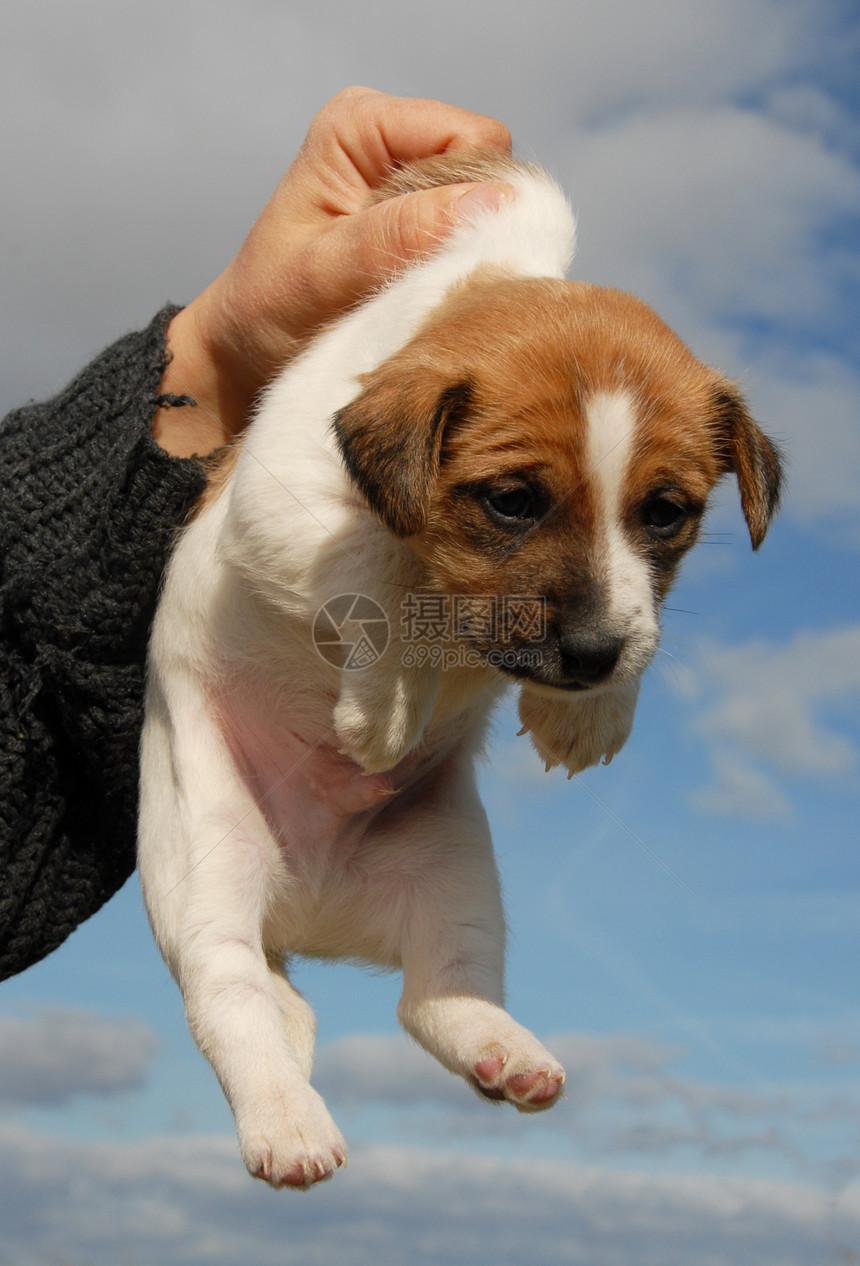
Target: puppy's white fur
290 807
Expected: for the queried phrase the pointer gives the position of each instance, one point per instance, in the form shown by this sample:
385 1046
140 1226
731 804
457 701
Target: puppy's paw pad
298 1170
536 1089
489 1070
293 1149
487 1077
531 1089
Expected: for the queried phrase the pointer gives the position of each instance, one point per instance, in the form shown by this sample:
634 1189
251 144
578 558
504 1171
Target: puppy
485 476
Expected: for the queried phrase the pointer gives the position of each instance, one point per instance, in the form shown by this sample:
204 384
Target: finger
361 133
417 128
415 224
380 241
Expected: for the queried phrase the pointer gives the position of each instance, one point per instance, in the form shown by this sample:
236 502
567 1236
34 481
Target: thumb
412 226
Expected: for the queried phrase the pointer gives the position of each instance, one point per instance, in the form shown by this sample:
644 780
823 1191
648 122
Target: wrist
221 405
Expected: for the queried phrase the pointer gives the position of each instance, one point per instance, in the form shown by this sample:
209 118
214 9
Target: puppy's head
553 442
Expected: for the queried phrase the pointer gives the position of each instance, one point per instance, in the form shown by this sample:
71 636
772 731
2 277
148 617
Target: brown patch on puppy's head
553 439
391 438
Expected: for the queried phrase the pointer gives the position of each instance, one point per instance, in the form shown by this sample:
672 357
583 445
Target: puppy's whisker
661 650
672 665
355 558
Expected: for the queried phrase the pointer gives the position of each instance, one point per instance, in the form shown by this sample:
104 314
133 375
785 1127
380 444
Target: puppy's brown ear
746 450
391 437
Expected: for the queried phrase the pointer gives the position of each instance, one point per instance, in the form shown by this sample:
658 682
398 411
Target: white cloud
391 1069
810 403
135 167
740 789
376 1068
554 64
716 209
624 1099
807 109
776 704
772 695
189 1201
51 1056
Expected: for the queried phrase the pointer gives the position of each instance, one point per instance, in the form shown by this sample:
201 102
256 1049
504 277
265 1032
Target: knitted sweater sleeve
89 505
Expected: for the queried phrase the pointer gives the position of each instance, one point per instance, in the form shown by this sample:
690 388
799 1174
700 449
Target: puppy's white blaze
611 420
611 423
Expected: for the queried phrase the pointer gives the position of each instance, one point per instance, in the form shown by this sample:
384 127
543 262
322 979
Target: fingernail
483 197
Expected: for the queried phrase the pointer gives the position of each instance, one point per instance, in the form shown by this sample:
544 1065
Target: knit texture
89 506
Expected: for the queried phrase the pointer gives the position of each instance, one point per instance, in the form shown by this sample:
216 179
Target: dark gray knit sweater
89 505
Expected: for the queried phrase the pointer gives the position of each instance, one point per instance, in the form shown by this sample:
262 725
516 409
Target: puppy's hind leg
253 1027
210 871
301 1021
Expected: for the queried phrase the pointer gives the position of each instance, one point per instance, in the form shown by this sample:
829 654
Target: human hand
316 249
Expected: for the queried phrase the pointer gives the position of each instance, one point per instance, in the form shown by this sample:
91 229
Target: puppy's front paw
376 744
379 727
290 1142
580 730
481 1042
530 1084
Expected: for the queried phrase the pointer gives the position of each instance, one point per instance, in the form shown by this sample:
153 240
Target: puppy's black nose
589 658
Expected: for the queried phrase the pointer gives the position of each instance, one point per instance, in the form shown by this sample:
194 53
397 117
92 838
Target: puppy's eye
512 505
663 517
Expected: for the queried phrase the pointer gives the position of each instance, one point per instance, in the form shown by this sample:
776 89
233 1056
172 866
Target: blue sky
684 924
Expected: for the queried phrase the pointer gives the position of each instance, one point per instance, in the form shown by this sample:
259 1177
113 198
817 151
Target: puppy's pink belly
294 781
313 798
321 812
337 878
